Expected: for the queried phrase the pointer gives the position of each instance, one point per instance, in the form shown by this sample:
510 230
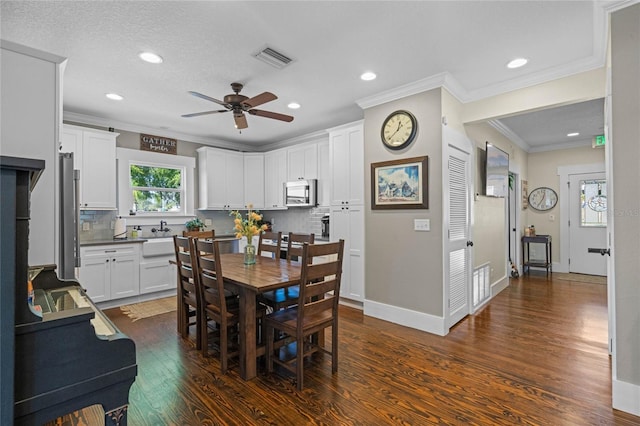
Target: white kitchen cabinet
221 179
157 274
275 175
94 154
347 223
302 162
110 271
324 174
346 150
254 181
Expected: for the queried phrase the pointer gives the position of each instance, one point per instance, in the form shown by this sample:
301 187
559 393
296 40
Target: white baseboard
135 299
406 317
626 397
499 285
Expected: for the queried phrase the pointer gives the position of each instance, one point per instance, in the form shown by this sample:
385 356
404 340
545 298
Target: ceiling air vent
273 58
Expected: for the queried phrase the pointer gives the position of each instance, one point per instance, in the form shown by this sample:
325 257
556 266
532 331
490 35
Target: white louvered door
457 204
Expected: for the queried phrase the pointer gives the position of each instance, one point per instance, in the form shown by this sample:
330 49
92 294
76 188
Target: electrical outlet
86 226
208 222
421 225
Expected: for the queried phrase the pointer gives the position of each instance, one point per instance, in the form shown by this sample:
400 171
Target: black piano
58 352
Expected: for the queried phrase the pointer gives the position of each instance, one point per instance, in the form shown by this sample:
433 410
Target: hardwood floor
537 355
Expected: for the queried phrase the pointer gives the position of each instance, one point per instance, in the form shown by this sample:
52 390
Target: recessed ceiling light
151 57
573 134
368 76
517 63
294 105
114 96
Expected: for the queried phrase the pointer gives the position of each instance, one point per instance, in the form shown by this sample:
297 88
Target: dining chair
288 296
270 242
188 295
200 234
317 309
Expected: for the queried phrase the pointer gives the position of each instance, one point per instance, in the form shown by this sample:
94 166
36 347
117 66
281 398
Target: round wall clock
543 199
399 129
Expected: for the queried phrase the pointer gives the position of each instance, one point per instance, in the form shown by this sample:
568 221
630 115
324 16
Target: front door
587 223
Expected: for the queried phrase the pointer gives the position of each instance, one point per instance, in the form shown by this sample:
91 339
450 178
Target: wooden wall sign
158 144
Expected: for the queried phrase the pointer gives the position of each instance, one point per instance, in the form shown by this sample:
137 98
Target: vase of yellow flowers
247 228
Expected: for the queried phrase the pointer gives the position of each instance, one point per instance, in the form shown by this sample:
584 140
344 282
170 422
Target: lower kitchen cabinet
347 223
111 271
157 274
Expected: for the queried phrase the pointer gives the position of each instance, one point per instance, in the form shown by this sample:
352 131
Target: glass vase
249 254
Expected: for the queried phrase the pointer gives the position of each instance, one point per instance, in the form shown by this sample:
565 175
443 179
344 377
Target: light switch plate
421 225
208 222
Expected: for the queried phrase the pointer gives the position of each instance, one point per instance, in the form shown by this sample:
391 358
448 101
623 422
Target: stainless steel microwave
301 193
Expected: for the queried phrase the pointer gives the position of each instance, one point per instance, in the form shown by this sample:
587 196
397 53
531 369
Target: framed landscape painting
400 184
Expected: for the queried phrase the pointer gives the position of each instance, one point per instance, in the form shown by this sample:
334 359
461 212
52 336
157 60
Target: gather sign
158 144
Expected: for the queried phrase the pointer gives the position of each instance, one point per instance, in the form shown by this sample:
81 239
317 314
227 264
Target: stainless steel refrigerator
69 218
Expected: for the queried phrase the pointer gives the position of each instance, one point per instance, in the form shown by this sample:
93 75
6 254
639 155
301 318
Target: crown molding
318 136
137 128
509 134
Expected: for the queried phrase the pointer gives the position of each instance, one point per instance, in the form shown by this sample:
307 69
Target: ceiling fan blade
197 114
241 121
270 114
208 98
262 98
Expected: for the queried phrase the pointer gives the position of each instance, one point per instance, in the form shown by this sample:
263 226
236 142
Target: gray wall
403 267
625 148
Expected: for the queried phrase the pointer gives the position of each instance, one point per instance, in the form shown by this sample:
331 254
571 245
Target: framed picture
400 184
525 194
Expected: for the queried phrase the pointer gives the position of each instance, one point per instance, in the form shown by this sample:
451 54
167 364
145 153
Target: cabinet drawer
115 249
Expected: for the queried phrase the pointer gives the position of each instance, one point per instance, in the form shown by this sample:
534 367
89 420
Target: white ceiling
206 45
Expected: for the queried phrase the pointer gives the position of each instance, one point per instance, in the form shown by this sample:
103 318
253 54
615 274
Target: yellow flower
247 227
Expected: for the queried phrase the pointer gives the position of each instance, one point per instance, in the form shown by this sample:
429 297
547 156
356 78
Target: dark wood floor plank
537 354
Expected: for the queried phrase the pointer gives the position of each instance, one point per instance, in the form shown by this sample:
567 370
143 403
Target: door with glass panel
588 223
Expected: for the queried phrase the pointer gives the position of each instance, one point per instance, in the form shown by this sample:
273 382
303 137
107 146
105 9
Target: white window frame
127 157
181 190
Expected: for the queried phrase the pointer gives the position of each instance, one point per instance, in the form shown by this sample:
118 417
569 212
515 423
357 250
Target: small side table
539 239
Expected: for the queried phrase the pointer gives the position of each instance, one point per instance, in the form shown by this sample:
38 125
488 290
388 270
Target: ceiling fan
239 104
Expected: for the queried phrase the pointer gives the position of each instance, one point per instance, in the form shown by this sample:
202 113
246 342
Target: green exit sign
598 141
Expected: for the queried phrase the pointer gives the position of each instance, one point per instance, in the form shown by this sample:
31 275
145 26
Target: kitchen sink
158 247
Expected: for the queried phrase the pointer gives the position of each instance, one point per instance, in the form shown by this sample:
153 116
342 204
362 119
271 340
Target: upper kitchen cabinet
302 162
346 151
94 154
275 175
324 174
254 182
221 179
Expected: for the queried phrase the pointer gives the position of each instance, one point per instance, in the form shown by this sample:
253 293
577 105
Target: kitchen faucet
163 227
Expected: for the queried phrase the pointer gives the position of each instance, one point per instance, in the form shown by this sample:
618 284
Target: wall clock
399 129
543 199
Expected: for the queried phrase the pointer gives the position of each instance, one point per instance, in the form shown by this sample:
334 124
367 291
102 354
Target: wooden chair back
270 243
188 293
320 279
209 271
200 234
295 243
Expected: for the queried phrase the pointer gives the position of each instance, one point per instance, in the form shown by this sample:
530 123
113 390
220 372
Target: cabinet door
235 180
98 176
71 141
94 276
212 177
275 172
303 162
124 276
324 174
347 223
254 180
347 166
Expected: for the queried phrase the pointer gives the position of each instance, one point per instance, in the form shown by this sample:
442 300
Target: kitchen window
154 184
156 189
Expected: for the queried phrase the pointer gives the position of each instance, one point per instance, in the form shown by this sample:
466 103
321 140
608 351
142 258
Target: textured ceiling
208 45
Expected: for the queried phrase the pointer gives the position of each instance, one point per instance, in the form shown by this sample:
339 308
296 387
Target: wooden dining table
249 281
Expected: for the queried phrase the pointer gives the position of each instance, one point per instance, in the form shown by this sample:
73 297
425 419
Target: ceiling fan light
368 76
151 57
114 96
294 105
517 63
